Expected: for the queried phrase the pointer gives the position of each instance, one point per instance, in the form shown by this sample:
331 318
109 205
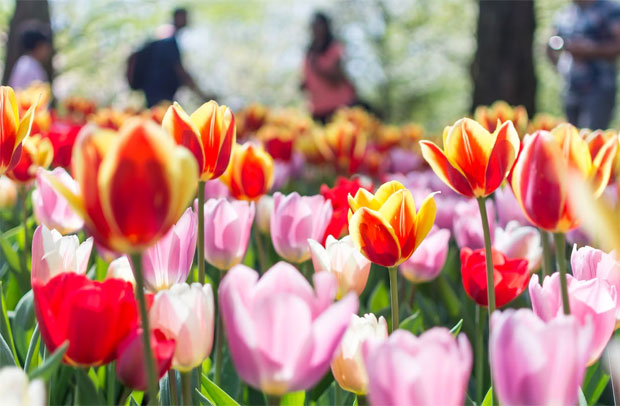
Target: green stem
151 376
110 383
201 232
560 246
186 384
172 383
547 263
24 257
488 255
479 353
219 342
260 252
272 400
393 271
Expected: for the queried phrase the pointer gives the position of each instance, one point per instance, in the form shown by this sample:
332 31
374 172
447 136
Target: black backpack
136 67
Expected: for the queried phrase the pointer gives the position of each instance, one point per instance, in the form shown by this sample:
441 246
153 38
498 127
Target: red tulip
93 316
339 197
510 276
62 134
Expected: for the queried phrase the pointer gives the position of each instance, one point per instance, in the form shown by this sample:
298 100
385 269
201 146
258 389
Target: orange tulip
491 117
543 121
343 144
37 152
250 173
540 181
385 226
12 129
209 133
134 185
474 162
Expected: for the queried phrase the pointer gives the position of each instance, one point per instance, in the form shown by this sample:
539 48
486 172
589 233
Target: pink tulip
432 369
428 259
50 207
227 231
519 242
282 334
215 188
593 299
184 313
344 261
295 220
53 254
509 209
170 259
536 362
589 263
467 227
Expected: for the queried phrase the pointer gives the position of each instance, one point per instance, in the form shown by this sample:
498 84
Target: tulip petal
374 237
399 212
442 167
603 165
178 123
387 190
502 156
425 219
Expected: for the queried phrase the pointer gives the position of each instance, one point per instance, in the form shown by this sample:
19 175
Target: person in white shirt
37 49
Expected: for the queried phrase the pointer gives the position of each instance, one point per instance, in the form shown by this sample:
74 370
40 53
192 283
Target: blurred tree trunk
503 68
25 10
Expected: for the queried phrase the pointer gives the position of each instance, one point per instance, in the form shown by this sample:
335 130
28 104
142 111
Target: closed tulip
344 261
93 316
510 276
536 362
184 313
474 162
519 242
227 231
348 365
540 182
13 130
432 369
8 193
170 259
50 207
295 220
250 174
427 261
16 390
592 300
53 254
281 333
37 152
385 226
142 162
209 133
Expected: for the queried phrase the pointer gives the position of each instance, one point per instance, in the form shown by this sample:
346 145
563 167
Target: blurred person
585 48
36 48
324 79
157 68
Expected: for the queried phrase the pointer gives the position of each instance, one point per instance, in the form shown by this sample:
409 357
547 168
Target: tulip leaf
87 391
5 326
594 383
457 328
202 398
322 386
23 323
45 370
9 253
6 357
215 394
34 340
414 323
293 399
379 298
488 398
582 399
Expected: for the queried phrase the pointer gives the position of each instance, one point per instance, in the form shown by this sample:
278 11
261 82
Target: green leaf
379 299
45 370
457 328
87 392
322 386
31 347
10 254
293 399
6 357
5 326
215 394
488 398
203 399
23 323
414 323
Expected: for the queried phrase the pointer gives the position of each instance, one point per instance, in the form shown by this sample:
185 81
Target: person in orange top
324 79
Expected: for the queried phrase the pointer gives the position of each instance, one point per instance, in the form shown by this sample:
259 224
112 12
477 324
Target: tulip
184 313
53 254
130 362
16 390
510 276
250 173
215 189
143 162
209 133
474 161
593 300
428 260
264 208
37 152
93 316
343 144
432 369
589 263
338 196
13 130
295 220
344 261
120 268
536 362
467 223
50 207
543 121
490 117
8 193
62 135
37 94
281 333
518 242
227 231
542 166
170 259
510 208
348 365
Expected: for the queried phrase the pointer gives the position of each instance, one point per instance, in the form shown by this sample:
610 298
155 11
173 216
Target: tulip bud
15 390
251 172
8 193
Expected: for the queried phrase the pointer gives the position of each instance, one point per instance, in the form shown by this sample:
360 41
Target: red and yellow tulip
540 176
134 185
209 133
491 117
250 173
385 227
38 95
474 162
37 152
12 129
